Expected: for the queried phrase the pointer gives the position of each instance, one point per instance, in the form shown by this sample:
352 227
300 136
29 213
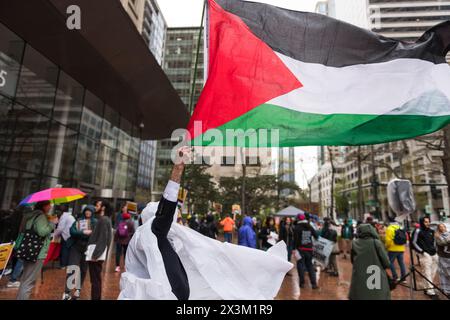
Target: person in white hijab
166 260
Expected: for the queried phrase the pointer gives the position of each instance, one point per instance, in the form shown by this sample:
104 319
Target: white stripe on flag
367 89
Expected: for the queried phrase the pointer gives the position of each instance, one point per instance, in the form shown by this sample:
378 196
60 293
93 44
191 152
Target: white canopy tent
290 211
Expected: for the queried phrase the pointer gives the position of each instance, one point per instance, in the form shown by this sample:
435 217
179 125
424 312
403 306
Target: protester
303 241
246 235
208 227
347 233
97 249
395 241
80 231
328 233
170 261
228 226
370 260
63 230
287 235
443 250
193 223
40 223
268 232
424 245
124 232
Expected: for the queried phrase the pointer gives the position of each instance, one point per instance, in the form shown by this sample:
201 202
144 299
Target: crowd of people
85 239
366 244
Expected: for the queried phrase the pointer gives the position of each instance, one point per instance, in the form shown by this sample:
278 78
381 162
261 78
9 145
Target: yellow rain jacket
389 240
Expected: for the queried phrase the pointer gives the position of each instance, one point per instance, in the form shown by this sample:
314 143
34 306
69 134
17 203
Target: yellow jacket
389 240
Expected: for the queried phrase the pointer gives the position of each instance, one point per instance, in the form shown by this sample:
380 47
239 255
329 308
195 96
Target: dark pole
194 82
375 183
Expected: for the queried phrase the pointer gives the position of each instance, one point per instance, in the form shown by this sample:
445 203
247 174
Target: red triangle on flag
244 72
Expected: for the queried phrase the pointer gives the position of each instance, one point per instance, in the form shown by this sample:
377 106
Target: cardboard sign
6 250
236 209
132 207
322 251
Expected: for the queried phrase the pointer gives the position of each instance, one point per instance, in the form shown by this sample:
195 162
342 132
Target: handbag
31 244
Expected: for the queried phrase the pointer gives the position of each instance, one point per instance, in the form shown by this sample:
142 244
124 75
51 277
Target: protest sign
322 251
5 253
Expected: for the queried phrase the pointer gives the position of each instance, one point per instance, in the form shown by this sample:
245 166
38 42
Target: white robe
215 270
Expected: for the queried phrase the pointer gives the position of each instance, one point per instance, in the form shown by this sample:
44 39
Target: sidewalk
331 288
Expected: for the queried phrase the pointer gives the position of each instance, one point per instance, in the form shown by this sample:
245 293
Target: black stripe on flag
316 38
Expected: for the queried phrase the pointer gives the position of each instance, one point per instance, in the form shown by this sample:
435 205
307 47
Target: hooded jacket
423 240
303 236
77 237
246 236
369 259
389 239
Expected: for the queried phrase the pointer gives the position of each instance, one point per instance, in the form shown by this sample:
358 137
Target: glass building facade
54 131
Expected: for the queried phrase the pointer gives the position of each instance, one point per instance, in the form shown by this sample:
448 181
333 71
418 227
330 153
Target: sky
188 13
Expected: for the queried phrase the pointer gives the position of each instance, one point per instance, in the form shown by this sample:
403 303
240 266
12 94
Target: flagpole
194 82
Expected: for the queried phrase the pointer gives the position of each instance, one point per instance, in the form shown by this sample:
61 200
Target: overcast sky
188 13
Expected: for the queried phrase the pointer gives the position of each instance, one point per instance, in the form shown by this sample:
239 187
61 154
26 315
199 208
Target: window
86 162
6 129
29 139
11 50
68 102
60 157
36 88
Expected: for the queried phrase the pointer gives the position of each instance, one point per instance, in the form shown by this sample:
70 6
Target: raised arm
169 199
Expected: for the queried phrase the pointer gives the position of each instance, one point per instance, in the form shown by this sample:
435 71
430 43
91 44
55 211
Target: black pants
174 268
64 254
305 264
77 258
119 249
95 272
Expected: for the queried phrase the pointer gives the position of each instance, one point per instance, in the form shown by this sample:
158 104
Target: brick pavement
331 288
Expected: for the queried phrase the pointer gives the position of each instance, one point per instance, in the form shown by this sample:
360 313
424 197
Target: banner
322 251
6 250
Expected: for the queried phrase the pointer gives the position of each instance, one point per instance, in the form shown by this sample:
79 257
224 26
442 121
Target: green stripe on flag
310 129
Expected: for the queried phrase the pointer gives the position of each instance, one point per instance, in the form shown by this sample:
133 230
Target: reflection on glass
29 139
68 102
11 50
37 82
15 186
110 130
132 174
60 152
6 129
105 167
86 162
121 174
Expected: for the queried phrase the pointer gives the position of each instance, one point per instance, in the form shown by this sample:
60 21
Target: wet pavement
330 288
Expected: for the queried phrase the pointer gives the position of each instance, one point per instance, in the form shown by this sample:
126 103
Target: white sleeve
171 191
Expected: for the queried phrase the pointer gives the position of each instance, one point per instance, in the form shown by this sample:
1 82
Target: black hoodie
423 240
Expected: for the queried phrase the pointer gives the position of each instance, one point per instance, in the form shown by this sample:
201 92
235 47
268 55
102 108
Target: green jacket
43 228
368 253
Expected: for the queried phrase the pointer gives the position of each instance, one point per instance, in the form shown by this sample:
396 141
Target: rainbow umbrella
54 195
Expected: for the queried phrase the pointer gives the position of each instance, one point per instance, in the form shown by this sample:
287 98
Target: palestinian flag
319 81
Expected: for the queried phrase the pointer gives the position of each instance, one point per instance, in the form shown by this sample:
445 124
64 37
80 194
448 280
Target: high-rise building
71 112
135 9
286 167
154 29
180 53
404 20
150 22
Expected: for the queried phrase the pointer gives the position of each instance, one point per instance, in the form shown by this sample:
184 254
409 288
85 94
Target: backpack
122 230
400 237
